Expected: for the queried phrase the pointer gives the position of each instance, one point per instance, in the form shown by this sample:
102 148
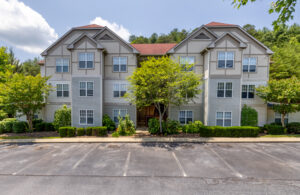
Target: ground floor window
223 119
117 113
86 117
278 118
185 116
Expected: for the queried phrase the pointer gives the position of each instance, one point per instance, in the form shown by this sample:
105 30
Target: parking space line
126 164
84 157
179 164
225 162
35 162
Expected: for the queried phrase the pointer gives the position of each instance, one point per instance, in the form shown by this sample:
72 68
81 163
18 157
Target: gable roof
213 44
83 35
90 26
154 49
219 24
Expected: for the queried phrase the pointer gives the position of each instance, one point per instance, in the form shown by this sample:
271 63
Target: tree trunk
29 120
282 120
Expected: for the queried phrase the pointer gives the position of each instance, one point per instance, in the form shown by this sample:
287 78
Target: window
249 64
185 116
224 89
62 65
86 60
248 91
223 119
225 59
119 112
62 90
86 88
278 118
120 64
86 117
187 60
119 90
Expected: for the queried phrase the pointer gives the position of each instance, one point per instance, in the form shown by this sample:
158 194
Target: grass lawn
286 135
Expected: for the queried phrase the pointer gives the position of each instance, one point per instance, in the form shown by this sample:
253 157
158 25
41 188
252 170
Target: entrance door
144 114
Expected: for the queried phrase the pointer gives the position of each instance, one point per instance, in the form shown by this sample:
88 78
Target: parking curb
154 140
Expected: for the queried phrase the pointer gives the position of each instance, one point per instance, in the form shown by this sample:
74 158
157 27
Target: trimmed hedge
8 124
89 131
99 131
217 131
293 127
49 127
43 126
192 127
275 129
19 127
67 131
80 131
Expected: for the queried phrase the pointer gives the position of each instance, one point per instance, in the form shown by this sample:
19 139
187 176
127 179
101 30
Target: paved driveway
112 168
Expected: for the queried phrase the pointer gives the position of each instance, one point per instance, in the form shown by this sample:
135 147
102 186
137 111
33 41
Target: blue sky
53 18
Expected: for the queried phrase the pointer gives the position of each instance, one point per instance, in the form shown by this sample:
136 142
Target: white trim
225 89
223 119
248 70
119 86
86 88
247 91
226 52
86 117
120 63
62 66
62 90
85 54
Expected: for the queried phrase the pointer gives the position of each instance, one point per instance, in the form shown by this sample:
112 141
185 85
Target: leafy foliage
192 127
249 116
108 122
67 131
293 127
153 126
19 127
80 131
62 117
217 131
274 129
31 67
126 126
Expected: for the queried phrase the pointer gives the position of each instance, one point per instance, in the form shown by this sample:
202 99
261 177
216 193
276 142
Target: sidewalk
155 140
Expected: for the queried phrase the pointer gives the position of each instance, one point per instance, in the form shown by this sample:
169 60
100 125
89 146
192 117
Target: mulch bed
33 134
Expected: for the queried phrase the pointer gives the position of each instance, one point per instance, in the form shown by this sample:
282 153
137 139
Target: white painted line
35 162
179 164
126 164
84 157
225 162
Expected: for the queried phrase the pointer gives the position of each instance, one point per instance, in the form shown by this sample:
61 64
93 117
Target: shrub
35 122
192 127
8 124
293 127
2 127
108 122
273 129
89 131
49 127
62 117
99 131
153 126
20 127
249 116
171 127
80 131
126 126
115 134
217 131
67 131
40 127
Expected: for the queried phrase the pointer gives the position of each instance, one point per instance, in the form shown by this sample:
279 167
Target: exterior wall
293 117
131 110
198 114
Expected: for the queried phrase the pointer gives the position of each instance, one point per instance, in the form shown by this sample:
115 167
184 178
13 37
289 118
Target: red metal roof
90 26
154 49
41 62
218 24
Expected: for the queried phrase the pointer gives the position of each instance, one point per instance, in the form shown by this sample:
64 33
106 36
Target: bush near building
293 127
249 116
217 131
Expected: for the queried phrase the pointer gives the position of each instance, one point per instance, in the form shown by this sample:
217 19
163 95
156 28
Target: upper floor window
223 119
120 64
224 89
86 88
119 89
62 90
119 112
249 64
86 117
86 60
278 118
225 59
185 116
248 91
187 60
62 65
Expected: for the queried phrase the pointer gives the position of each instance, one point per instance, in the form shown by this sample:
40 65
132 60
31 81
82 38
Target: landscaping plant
62 117
249 116
108 122
126 126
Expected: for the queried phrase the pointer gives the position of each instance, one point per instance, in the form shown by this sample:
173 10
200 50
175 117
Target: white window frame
119 87
248 91
119 59
184 58
185 116
86 88
62 91
223 118
226 56
249 64
119 111
86 60
86 117
224 88
62 64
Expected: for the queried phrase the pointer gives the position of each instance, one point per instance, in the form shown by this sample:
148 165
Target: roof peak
90 26
219 24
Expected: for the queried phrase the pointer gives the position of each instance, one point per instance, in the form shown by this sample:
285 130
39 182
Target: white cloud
24 28
119 29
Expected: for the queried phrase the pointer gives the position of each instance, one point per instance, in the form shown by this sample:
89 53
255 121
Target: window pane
246 61
116 68
245 68
221 55
66 93
228 93
123 60
229 63
65 68
115 60
251 91
59 93
181 114
59 87
90 120
244 88
90 57
220 93
227 115
219 115
220 85
81 64
90 115
252 61
123 87
82 92
227 122
116 94
123 113
123 93
90 64
58 68
230 56
277 115
90 92
182 120
189 120
65 62
252 68
244 94
123 68
189 114
221 63
82 85
219 122
82 116
229 86
90 85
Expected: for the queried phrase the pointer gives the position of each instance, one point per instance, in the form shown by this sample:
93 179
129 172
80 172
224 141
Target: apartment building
89 65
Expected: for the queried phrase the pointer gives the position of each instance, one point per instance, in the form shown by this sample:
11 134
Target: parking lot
150 168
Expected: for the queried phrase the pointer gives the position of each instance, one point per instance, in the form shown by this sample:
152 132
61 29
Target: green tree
62 117
284 94
249 116
162 82
285 9
31 67
24 94
4 59
14 61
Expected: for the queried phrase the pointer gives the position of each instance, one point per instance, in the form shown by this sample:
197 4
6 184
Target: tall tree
26 94
14 61
31 67
162 82
284 94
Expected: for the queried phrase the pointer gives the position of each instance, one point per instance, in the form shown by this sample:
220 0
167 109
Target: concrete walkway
155 140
